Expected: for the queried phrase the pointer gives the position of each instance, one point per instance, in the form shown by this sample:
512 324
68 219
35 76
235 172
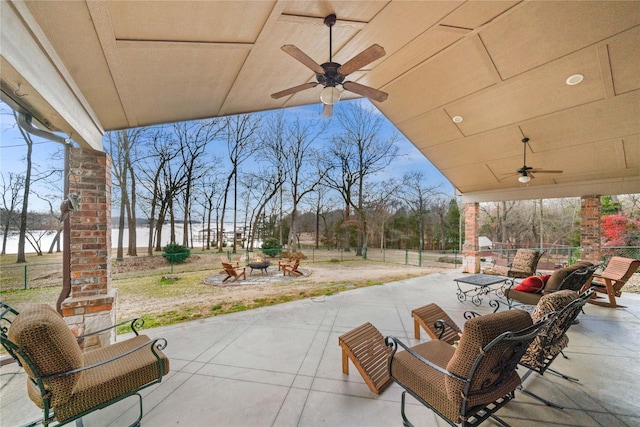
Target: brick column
590 228
91 303
470 248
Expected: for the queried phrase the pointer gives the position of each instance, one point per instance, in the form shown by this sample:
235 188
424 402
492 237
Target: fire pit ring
259 265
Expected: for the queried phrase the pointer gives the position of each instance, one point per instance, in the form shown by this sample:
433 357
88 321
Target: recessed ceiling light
574 79
457 119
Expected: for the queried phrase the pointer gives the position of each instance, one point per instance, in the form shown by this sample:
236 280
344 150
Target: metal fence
29 276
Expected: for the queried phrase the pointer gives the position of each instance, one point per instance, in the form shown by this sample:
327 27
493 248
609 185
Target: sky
13 149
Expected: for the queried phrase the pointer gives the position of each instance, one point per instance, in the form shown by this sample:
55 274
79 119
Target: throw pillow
532 284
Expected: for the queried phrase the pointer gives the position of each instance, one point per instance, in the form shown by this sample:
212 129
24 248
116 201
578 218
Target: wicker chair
524 264
562 308
573 277
467 384
68 384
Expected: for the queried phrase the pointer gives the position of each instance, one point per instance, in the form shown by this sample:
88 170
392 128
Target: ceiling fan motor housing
331 77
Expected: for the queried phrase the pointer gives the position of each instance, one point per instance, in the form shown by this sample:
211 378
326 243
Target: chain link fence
30 276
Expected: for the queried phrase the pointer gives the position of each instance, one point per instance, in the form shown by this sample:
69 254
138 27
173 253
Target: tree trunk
25 199
120 250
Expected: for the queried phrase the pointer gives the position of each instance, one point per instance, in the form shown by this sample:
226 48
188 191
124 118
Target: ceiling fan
526 172
331 74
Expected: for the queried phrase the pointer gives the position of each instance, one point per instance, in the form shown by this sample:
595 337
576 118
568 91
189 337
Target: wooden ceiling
499 65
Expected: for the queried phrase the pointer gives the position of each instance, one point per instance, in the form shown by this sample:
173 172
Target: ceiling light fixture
574 79
330 95
524 179
457 119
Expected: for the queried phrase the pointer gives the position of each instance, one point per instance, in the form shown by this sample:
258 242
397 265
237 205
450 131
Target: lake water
142 238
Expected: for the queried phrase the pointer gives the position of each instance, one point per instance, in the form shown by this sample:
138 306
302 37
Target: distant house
485 243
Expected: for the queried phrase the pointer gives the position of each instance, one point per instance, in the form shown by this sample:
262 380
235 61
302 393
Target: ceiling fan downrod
330 21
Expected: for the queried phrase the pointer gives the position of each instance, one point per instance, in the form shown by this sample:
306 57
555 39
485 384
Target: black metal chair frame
558 325
472 416
7 313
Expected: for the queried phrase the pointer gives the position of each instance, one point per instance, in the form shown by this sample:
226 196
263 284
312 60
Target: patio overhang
86 67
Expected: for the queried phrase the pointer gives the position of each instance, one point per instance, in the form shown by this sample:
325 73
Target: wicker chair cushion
556 340
559 275
42 334
523 265
478 332
525 260
113 379
425 381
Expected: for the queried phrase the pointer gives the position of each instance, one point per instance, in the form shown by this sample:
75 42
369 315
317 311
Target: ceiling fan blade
508 176
545 171
303 58
366 91
327 110
365 57
294 89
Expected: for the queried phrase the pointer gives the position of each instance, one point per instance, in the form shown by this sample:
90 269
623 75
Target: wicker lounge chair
563 307
524 264
68 384
573 277
467 384
619 270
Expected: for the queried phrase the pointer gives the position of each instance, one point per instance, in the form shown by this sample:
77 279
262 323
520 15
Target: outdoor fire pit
259 264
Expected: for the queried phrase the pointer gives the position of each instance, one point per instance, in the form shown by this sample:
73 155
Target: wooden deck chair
292 268
436 323
284 261
366 348
619 270
466 384
68 384
235 272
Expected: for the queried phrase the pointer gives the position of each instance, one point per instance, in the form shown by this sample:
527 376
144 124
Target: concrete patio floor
281 366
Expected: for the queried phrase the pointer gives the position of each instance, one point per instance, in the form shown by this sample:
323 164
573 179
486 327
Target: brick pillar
91 303
590 228
470 248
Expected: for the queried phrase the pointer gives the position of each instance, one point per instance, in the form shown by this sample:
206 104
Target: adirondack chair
619 270
235 272
292 268
287 261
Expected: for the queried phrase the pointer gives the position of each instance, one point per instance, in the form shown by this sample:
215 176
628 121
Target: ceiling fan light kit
330 95
331 74
524 179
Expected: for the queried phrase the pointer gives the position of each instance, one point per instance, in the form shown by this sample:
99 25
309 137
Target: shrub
176 253
271 247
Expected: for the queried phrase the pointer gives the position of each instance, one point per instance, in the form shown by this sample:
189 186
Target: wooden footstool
426 317
366 348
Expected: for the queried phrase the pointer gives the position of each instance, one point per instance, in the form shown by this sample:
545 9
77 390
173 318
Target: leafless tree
381 205
152 169
12 187
121 146
420 198
357 153
193 139
240 133
301 165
